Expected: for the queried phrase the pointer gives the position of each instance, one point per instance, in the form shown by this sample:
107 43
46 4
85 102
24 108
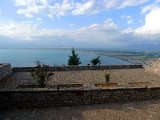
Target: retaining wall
49 97
70 68
5 70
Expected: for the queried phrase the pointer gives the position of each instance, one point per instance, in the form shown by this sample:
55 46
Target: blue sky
79 23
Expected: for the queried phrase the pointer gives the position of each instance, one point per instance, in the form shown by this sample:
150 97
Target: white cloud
53 8
39 19
72 24
36 7
107 25
128 19
15 30
106 33
148 8
152 24
119 4
127 3
149 32
28 31
88 7
128 30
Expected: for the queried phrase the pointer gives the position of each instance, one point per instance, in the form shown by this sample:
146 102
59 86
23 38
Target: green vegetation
135 57
74 59
107 77
41 75
96 61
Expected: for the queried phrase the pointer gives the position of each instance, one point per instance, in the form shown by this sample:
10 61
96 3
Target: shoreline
130 57
130 60
51 57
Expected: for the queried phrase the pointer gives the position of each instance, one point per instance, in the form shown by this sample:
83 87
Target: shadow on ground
141 110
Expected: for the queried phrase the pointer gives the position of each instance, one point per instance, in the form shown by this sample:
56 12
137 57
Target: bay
27 57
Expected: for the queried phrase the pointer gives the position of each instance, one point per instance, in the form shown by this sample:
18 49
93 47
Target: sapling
107 77
41 74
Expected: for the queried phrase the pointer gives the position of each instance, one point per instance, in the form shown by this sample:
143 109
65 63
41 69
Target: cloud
104 34
72 24
128 19
127 3
57 8
108 24
89 7
37 7
27 30
148 8
13 30
39 19
149 33
152 24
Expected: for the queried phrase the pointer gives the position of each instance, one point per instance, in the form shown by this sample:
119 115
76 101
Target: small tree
74 59
40 74
107 77
96 61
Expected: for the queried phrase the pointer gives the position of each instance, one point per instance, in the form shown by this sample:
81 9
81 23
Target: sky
80 23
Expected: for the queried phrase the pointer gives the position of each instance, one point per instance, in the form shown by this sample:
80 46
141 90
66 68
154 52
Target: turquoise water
22 57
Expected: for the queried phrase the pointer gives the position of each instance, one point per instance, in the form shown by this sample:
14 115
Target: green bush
41 74
107 77
96 61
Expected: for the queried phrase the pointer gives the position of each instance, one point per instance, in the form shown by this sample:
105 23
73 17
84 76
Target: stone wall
5 70
50 97
69 68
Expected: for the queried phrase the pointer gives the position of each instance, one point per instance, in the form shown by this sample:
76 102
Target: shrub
40 74
74 59
96 61
107 77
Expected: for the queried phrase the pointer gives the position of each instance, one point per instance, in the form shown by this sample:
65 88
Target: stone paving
141 110
85 77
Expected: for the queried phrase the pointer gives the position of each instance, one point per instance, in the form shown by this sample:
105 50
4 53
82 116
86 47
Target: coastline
118 57
131 59
27 58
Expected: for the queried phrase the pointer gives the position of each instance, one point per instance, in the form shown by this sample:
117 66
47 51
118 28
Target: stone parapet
42 97
71 68
5 70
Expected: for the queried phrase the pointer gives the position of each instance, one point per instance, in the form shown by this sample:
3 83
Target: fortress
22 96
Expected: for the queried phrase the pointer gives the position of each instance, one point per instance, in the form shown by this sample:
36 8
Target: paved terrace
141 110
87 77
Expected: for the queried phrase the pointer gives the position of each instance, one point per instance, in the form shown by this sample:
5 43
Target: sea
52 57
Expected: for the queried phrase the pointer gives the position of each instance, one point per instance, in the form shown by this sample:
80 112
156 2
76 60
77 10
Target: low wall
44 97
70 68
5 70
